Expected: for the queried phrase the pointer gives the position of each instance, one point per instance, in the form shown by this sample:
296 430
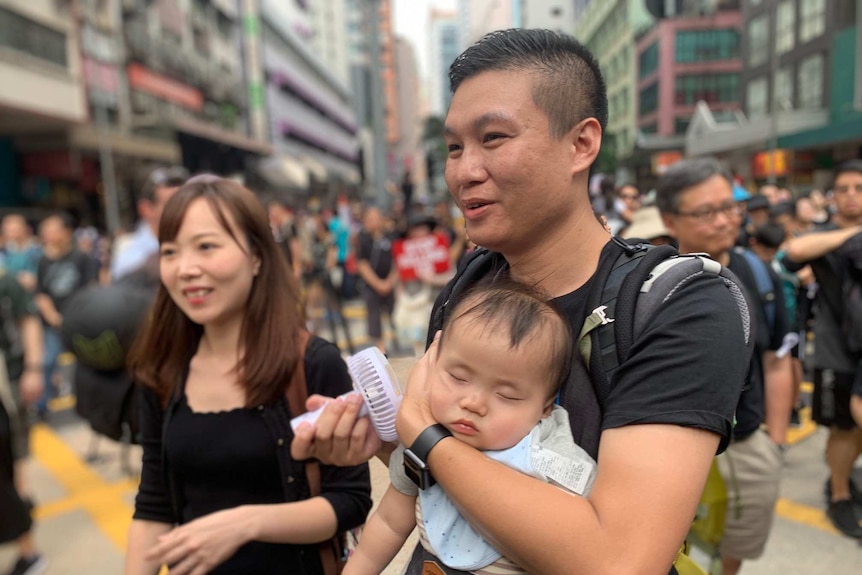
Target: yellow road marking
62 403
804 514
85 488
804 431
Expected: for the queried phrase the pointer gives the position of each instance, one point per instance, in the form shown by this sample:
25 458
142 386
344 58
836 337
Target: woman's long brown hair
270 331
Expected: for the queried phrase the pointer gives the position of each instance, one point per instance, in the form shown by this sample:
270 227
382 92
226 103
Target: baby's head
503 354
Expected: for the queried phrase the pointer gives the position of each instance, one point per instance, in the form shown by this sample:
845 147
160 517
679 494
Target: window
758 38
784 88
784 27
24 35
649 100
711 88
706 45
757 97
648 61
681 125
810 82
649 129
812 19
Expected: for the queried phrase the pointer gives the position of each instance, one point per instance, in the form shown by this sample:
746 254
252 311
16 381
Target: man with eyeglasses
696 200
134 252
831 250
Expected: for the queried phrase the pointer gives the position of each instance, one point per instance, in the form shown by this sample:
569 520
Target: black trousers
15 519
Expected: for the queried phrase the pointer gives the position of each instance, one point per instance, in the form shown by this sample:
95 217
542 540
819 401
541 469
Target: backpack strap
597 339
765 287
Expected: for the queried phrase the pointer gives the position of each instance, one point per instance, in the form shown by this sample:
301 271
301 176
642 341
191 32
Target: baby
503 354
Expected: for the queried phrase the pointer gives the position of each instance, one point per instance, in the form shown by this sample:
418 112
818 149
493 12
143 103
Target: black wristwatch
416 456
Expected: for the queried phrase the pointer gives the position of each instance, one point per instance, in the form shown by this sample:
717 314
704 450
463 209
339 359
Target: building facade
312 123
609 30
444 46
550 14
800 63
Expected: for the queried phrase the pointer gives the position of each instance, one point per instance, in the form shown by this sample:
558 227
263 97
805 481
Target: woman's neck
222 342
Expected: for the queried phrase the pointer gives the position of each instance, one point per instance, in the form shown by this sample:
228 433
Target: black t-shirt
829 271
685 369
62 277
377 252
751 408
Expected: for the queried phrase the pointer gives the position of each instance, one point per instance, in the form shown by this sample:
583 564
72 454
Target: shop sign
663 160
771 163
146 80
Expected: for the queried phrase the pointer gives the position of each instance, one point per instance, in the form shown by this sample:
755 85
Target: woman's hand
339 436
414 415
198 547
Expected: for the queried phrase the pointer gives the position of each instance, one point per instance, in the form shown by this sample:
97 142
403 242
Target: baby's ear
548 408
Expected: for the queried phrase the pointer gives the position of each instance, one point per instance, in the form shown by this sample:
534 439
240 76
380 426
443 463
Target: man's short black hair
683 175
848 166
170 177
569 86
67 220
770 235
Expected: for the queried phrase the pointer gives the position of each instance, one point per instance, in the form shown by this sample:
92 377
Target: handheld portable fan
375 381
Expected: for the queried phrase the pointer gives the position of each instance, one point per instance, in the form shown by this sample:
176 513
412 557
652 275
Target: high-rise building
478 17
444 46
312 122
800 60
550 14
609 29
330 25
408 150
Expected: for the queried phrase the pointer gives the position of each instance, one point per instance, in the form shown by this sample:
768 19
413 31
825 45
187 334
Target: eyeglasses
707 215
841 190
168 177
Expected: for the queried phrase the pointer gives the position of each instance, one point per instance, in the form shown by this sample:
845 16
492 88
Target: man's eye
492 137
453 148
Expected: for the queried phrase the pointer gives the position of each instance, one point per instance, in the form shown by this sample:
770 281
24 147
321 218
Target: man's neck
722 257
565 261
846 222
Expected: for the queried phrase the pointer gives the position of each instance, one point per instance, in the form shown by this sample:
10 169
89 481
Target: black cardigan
348 489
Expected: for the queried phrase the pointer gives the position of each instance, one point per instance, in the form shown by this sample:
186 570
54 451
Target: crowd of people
240 291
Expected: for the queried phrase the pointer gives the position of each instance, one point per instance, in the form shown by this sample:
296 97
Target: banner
425 256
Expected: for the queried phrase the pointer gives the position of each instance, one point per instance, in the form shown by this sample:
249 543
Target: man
20 252
135 252
376 267
21 384
523 129
627 202
698 209
63 270
835 368
281 219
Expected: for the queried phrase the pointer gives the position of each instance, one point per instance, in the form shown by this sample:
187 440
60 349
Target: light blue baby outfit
548 453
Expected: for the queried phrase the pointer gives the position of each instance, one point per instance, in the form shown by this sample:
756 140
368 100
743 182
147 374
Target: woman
223 341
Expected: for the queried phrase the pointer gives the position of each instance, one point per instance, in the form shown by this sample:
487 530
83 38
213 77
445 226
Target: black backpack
632 286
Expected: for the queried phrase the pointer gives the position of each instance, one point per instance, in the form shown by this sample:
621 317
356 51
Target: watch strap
426 440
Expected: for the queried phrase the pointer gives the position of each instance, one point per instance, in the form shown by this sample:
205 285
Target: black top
684 369
378 253
830 271
751 409
220 460
62 277
679 371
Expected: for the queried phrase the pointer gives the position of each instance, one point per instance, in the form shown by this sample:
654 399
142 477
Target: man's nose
466 169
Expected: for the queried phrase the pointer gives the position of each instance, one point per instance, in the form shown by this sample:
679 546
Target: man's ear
669 223
586 141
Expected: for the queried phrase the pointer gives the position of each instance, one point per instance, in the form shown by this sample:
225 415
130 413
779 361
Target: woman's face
205 271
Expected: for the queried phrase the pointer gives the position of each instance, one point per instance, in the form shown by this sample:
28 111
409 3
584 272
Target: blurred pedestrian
21 384
223 349
21 251
63 270
377 270
137 252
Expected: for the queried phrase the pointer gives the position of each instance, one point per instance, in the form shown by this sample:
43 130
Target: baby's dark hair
525 313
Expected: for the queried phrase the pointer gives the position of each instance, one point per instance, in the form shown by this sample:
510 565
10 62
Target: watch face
416 470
